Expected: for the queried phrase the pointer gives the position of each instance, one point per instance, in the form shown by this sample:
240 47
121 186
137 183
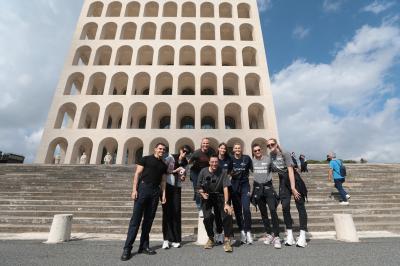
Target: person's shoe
209 244
249 238
289 240
147 251
277 242
242 237
176 244
219 239
201 215
344 203
165 244
301 242
268 239
126 255
348 196
228 246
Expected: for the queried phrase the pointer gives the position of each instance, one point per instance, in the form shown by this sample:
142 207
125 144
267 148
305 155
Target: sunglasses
257 150
271 145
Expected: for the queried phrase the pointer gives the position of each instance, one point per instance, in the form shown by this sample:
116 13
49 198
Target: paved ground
376 251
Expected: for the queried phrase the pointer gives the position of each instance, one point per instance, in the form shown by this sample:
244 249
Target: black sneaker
126 255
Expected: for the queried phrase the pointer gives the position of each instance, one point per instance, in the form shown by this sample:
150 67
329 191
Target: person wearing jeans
334 173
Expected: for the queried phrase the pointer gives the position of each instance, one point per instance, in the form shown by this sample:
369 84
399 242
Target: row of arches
166 56
164 84
138 116
169 9
168 31
132 149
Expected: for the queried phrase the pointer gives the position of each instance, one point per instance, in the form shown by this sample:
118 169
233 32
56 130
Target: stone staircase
99 198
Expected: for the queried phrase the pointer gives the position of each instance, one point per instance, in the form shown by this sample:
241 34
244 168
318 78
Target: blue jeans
194 176
339 187
241 204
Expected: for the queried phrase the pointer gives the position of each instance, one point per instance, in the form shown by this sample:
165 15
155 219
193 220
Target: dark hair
227 156
214 155
186 147
160 143
255 145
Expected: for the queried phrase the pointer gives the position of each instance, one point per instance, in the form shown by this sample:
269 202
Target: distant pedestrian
303 163
295 165
338 179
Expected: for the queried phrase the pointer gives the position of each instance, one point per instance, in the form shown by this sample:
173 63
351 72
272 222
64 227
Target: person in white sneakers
335 174
290 183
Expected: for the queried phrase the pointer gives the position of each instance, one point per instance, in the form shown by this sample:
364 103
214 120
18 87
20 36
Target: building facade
142 72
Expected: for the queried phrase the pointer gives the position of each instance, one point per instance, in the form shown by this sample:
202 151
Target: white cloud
264 5
300 32
34 138
331 5
344 105
377 7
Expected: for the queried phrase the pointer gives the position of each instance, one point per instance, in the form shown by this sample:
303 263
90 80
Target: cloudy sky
334 67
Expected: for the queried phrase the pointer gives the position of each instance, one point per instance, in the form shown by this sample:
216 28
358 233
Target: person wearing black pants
213 184
241 167
146 193
281 162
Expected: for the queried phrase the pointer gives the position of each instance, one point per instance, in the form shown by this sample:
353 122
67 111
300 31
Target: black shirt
153 170
241 167
200 159
213 182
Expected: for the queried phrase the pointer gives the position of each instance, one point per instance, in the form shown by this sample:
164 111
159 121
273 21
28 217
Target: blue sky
334 68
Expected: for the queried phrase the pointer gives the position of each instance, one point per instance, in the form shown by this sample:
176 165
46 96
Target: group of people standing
221 188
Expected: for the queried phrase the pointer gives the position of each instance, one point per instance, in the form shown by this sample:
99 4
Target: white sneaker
201 214
289 240
348 196
268 239
165 244
219 239
249 238
242 237
344 203
277 242
176 244
301 242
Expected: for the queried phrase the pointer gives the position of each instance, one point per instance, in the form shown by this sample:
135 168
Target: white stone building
141 72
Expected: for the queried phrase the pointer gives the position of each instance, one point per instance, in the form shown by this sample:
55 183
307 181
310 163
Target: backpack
342 168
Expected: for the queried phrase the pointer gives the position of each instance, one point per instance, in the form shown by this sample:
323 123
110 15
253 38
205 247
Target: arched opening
82 151
145 56
132 9
256 116
96 84
66 116
137 116
74 84
246 32
227 32
82 56
114 9
119 83
233 114
225 10
109 31
113 116
208 84
252 82
243 10
141 84
154 142
209 116
187 56
89 31
188 9
56 151
182 142
186 84
148 31
230 83
228 55
166 56
124 56
207 31
151 9
188 31
170 9
95 9
208 56
185 116
107 146
128 31
103 56
161 116
249 56
207 10
133 151
168 31
89 116
164 84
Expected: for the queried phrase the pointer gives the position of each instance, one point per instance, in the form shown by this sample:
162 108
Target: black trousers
145 208
172 221
285 196
241 204
268 200
215 203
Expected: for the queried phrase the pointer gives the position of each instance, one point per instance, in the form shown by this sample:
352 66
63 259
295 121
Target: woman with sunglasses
281 162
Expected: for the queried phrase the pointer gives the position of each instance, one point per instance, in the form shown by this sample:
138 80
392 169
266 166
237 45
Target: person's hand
296 194
228 209
134 194
204 195
163 199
